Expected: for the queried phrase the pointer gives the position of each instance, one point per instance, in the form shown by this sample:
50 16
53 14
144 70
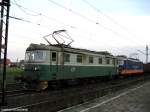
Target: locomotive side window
107 61
113 61
53 56
67 57
90 59
100 61
79 58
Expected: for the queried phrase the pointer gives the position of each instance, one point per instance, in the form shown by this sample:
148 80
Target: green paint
51 72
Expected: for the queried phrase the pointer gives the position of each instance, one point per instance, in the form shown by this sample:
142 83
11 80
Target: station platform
134 99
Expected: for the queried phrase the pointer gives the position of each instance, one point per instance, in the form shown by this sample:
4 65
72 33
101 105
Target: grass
11 73
14 71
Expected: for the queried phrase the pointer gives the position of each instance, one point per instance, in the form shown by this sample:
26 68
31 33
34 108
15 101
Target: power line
23 9
36 13
84 17
20 19
114 21
90 20
111 19
37 24
78 14
40 14
27 21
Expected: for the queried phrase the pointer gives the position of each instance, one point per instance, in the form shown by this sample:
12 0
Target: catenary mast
5 4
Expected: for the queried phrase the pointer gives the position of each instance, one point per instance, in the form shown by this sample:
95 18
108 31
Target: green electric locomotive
59 62
46 63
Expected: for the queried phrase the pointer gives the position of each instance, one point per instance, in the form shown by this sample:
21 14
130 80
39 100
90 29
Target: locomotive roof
66 48
125 58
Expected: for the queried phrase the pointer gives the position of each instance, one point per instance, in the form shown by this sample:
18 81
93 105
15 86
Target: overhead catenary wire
24 9
20 19
115 32
40 14
30 22
111 19
78 14
24 20
98 10
90 20
35 13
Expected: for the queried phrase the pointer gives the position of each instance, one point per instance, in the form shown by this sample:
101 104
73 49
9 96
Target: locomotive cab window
54 56
35 56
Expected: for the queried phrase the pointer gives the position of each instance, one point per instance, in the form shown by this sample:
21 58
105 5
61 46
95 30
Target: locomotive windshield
32 56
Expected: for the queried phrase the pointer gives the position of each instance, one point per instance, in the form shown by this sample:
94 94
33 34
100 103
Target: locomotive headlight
36 68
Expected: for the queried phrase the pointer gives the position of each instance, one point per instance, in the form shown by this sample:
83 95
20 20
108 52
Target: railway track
15 93
20 92
59 99
13 89
12 86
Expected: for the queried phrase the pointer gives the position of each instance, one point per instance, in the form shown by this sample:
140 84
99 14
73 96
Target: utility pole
146 53
5 4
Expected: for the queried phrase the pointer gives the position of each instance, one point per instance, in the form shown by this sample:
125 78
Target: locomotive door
54 64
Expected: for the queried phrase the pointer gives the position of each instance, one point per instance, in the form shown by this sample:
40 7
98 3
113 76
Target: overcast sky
116 26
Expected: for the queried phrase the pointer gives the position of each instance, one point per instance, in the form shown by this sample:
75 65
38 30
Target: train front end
35 70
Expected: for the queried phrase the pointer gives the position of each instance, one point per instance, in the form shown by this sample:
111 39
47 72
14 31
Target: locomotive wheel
42 85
